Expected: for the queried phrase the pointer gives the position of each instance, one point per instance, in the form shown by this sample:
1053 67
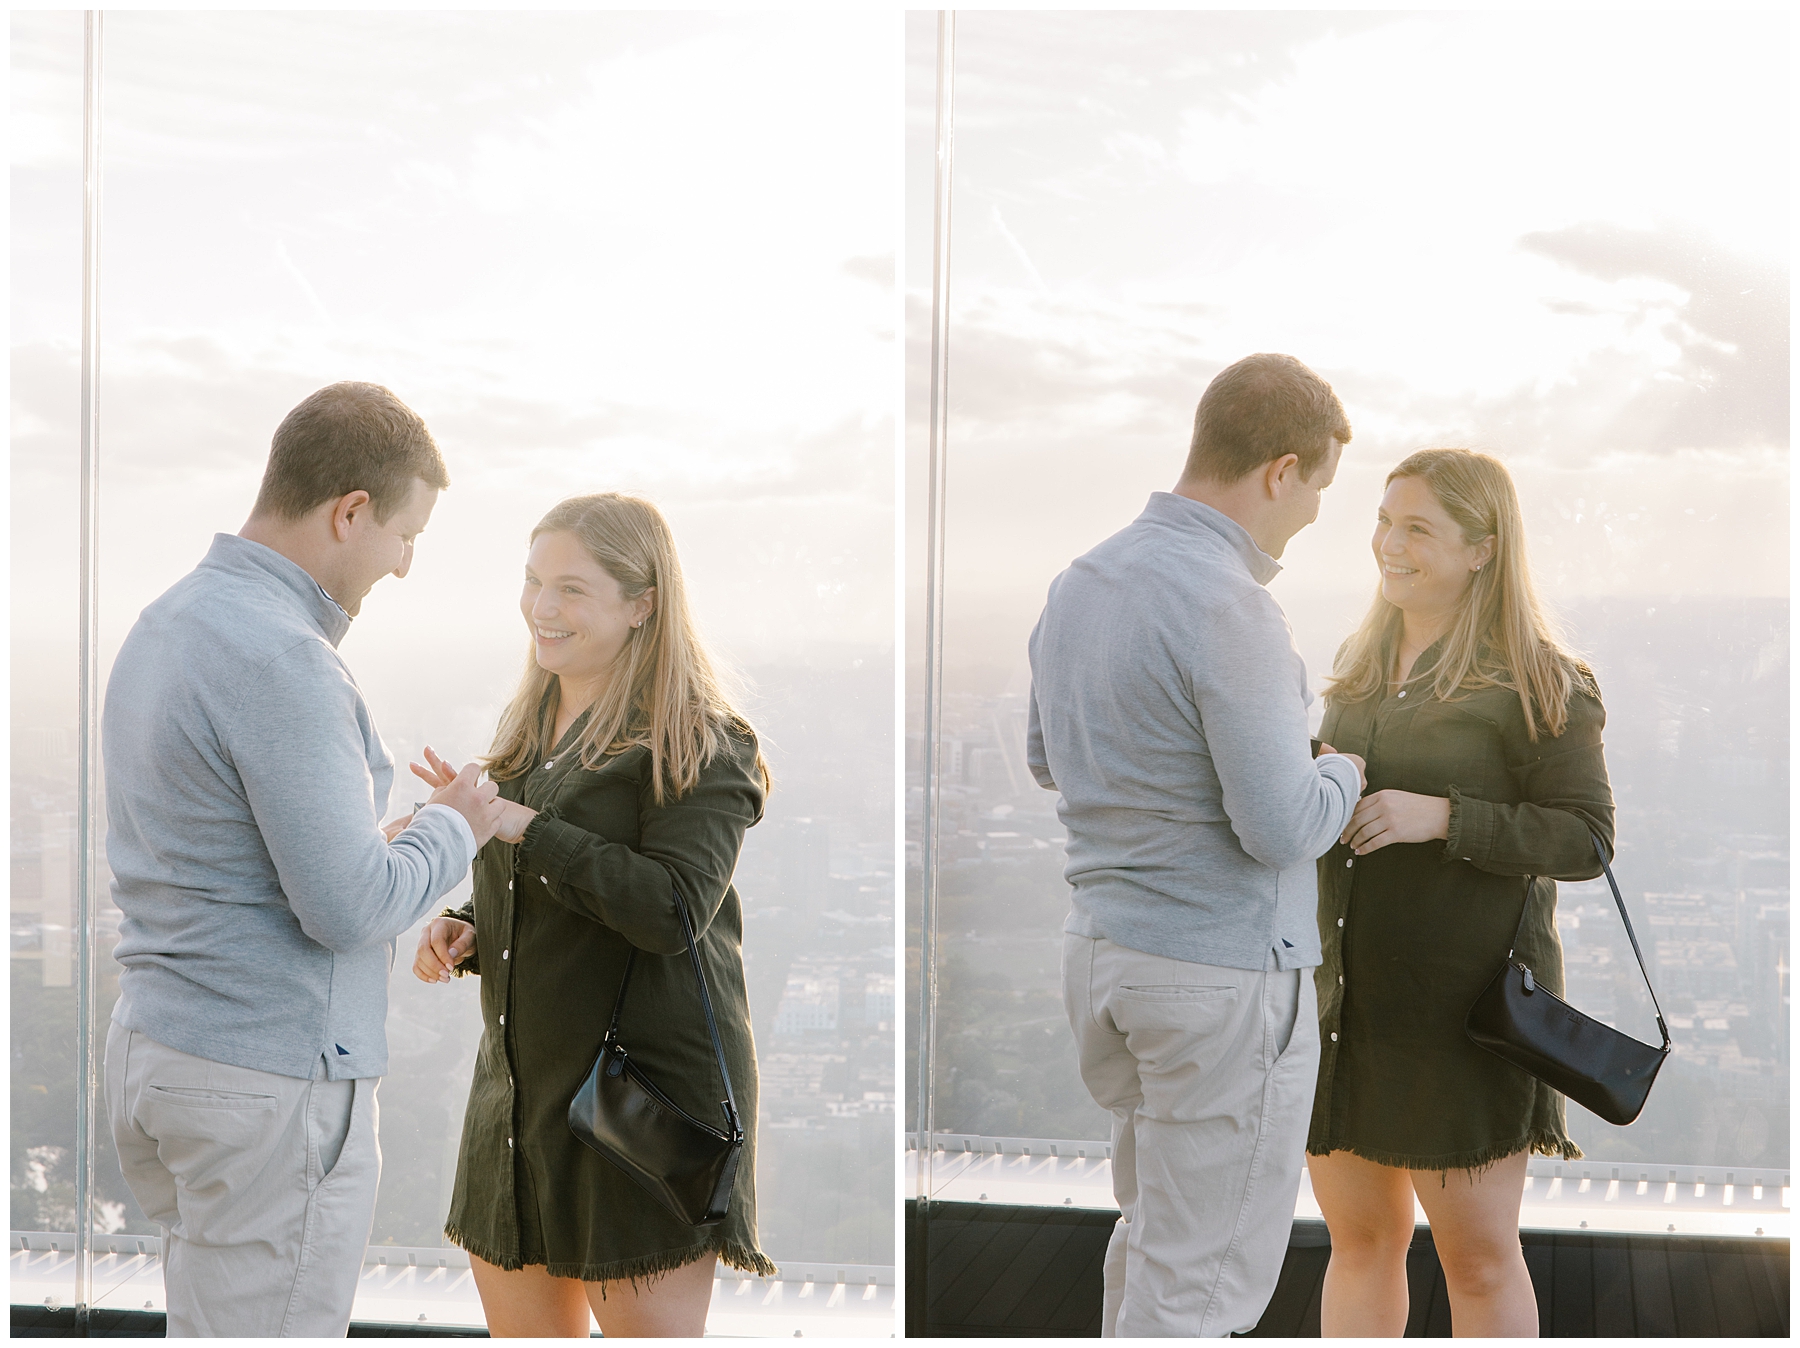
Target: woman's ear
1484 552
646 605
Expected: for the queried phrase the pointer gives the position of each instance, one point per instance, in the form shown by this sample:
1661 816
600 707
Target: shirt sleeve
1035 758
460 824
1566 796
691 843
299 743
1249 686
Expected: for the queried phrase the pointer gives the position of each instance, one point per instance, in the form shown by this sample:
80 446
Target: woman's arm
692 842
1566 794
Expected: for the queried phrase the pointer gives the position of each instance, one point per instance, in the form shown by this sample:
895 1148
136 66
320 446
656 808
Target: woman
628 777
1485 777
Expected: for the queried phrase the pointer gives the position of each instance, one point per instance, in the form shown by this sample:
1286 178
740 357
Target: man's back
244 782
1169 711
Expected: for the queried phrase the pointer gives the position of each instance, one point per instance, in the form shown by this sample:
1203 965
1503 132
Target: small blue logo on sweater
342 1050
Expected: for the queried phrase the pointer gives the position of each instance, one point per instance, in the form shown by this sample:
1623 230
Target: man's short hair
348 437
1260 409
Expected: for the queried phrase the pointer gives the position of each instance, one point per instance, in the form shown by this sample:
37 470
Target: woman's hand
444 943
513 819
392 831
1396 817
439 775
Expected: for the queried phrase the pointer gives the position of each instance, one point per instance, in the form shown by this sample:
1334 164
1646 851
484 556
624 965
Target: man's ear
1277 471
344 512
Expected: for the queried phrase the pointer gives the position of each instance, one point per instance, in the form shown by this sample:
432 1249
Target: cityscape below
1697 733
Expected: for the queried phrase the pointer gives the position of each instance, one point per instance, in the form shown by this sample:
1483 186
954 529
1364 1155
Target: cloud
1730 385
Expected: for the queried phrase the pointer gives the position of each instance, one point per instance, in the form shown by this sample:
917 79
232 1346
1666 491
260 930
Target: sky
593 251
1559 238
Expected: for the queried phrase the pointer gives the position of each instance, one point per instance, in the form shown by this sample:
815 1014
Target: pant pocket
1171 1006
197 1097
328 1119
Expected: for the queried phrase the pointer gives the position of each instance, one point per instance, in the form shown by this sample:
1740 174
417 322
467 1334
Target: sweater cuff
1471 831
463 830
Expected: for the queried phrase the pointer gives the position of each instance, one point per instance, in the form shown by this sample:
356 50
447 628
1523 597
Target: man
245 783
1168 707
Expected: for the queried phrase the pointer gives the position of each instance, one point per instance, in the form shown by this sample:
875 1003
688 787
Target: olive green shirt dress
1412 932
555 916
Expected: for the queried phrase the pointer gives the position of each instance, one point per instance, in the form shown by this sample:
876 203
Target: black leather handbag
1591 1063
685 1164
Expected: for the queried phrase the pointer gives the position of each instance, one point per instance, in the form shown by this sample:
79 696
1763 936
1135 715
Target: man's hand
1362 768
1396 817
444 943
475 800
392 831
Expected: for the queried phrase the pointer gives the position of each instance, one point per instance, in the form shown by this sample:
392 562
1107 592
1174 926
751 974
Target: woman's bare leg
1368 1210
529 1303
671 1305
1475 1225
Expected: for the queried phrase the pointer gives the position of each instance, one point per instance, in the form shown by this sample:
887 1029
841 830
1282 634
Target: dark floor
993 1271
37 1322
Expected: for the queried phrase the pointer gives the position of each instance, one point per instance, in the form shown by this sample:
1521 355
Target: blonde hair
665 693
1501 636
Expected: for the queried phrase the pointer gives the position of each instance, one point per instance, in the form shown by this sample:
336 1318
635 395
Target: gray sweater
1168 707
245 784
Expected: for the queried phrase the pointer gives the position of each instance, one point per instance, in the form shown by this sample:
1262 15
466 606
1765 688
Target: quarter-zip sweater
1168 707
245 785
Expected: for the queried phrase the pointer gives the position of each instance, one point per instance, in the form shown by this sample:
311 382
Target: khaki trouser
264 1186
1209 1074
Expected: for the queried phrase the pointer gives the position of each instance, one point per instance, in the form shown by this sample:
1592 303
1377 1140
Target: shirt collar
1183 512
243 557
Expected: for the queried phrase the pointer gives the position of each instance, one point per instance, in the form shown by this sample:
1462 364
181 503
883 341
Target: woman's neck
573 698
1417 632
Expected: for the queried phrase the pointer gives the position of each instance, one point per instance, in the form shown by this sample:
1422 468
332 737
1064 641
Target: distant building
809 1003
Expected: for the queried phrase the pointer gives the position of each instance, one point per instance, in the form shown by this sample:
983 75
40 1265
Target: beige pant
1209 1074
264 1186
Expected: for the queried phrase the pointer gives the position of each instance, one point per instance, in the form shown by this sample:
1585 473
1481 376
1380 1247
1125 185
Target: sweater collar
242 557
1191 516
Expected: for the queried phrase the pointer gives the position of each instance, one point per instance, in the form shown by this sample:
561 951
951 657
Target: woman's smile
579 617
1425 562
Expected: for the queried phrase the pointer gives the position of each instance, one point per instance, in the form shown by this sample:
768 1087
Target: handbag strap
712 1028
1624 916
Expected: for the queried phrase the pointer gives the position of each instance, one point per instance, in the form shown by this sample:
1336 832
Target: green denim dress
1413 932
555 916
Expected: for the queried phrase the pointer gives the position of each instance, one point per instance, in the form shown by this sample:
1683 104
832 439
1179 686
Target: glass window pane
46 355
